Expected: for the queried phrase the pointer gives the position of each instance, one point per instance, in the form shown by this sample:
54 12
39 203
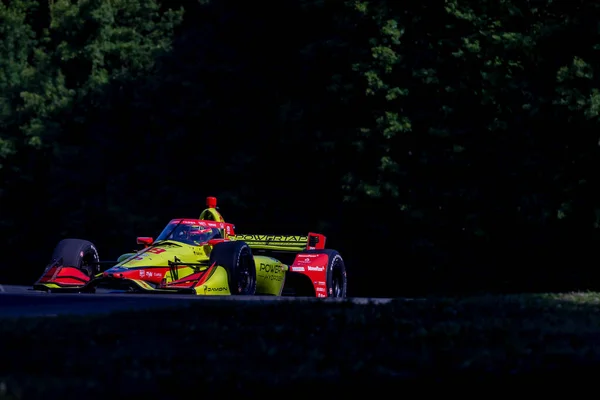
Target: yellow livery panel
216 285
270 275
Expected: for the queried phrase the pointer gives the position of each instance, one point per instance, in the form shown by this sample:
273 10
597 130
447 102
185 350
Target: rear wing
283 243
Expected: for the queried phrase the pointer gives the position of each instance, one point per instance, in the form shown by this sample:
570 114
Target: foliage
48 69
471 125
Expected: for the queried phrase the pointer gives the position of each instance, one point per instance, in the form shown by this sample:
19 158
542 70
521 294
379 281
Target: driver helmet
200 234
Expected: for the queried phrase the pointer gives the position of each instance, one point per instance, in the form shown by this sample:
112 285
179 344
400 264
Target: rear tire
337 282
77 253
237 259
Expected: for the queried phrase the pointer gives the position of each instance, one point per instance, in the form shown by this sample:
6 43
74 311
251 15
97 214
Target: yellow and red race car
203 256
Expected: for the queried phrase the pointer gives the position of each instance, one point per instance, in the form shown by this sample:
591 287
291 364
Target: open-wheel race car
203 256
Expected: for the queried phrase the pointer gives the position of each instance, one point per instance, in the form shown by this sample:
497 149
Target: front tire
77 253
236 257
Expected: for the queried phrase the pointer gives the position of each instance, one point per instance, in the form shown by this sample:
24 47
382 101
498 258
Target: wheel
337 283
77 253
237 259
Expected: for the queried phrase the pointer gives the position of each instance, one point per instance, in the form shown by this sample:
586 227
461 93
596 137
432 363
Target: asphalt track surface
23 301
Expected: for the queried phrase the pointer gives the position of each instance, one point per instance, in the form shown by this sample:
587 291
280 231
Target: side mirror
145 240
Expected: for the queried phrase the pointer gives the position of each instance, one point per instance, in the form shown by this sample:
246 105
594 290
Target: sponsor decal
149 274
298 269
271 277
189 222
216 289
308 258
274 240
319 269
321 295
155 250
322 289
270 268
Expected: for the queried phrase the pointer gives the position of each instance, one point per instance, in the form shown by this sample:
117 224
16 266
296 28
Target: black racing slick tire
77 253
236 257
337 282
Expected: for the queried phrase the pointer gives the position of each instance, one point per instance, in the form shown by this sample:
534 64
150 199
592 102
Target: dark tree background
442 146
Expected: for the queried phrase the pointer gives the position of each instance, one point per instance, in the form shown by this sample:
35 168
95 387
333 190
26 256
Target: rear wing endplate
283 243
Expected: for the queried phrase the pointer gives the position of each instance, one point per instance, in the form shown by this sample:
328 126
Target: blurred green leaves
46 71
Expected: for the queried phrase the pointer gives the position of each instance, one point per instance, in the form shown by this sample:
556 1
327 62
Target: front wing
212 281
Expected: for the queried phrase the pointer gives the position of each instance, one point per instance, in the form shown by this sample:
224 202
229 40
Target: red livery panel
65 276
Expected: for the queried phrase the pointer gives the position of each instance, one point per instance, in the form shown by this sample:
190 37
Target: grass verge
230 348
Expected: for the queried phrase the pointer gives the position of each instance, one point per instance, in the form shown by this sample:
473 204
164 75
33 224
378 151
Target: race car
203 256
